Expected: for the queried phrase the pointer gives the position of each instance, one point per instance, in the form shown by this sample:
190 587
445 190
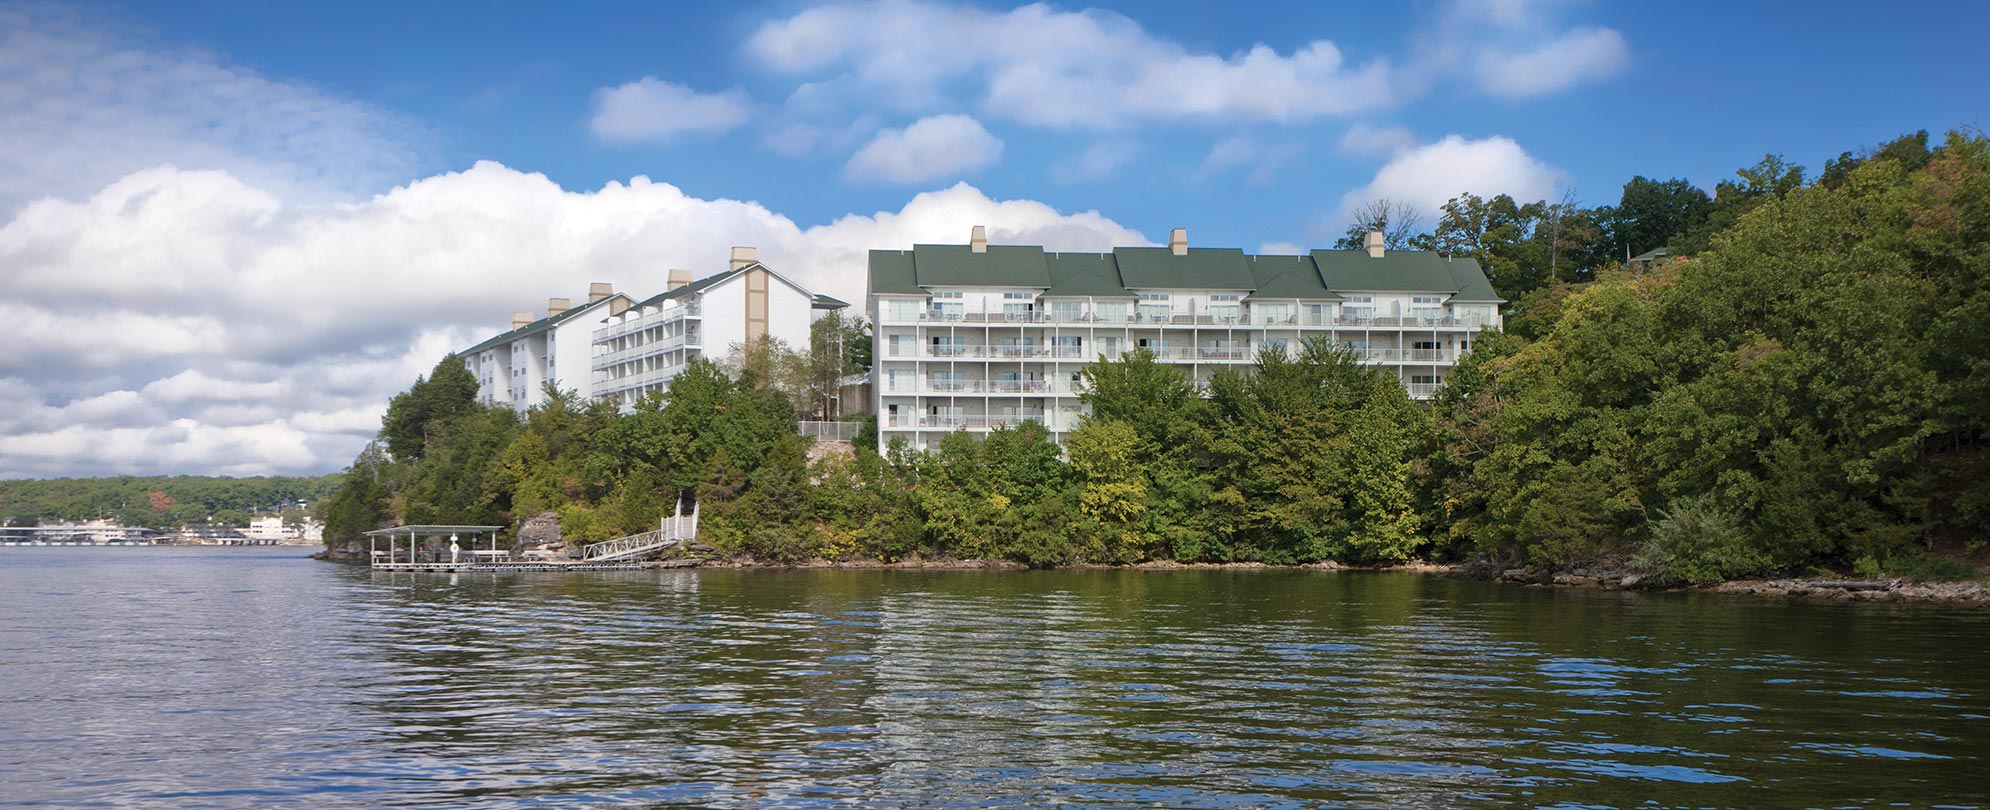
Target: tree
413 416
1652 212
1400 223
161 502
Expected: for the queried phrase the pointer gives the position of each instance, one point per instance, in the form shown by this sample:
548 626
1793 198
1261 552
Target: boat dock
424 552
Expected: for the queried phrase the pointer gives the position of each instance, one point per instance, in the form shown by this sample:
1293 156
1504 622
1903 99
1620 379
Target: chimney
520 318
743 256
599 290
978 242
1375 244
555 306
1178 241
617 307
678 278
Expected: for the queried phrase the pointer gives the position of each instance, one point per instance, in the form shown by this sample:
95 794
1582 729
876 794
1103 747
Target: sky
230 231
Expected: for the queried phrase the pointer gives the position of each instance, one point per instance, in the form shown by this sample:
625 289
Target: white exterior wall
572 349
641 350
984 368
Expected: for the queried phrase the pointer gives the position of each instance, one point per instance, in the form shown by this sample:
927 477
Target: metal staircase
677 530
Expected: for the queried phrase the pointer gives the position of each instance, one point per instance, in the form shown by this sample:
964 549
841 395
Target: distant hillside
152 500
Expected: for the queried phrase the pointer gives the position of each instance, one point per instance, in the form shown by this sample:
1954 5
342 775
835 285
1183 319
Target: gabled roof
1395 271
688 290
893 273
538 326
1320 275
1084 275
1001 266
1288 277
1199 269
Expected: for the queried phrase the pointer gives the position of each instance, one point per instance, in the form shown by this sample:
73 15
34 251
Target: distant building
267 527
514 367
978 336
640 348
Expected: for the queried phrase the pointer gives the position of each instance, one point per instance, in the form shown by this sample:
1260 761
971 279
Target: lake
229 677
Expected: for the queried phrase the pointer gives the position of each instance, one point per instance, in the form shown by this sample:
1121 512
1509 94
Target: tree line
157 502
1802 383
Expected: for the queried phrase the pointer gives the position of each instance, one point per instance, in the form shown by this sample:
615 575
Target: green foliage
1697 542
1808 389
129 500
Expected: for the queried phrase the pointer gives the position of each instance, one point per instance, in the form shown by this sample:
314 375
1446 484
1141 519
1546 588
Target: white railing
1182 318
844 432
676 529
634 322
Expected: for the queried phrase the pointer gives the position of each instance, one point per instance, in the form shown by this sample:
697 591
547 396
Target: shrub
1696 541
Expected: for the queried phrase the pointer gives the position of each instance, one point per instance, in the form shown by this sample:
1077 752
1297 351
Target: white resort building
618 349
978 336
513 368
640 349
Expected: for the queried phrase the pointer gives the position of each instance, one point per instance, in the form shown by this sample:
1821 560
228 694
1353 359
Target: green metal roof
1396 271
1288 277
688 289
1473 286
1001 266
1319 275
893 273
1199 269
1093 275
536 327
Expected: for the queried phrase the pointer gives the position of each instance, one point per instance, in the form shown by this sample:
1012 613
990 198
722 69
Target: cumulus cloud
79 109
1263 160
188 321
1098 161
1428 175
650 109
1367 139
1040 65
931 148
1581 56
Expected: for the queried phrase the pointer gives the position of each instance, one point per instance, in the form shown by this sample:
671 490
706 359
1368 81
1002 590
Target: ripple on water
290 683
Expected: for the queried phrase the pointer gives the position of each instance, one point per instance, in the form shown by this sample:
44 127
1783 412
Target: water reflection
772 689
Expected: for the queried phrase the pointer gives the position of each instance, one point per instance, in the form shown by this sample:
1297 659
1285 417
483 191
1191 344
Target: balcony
1185 318
620 356
667 315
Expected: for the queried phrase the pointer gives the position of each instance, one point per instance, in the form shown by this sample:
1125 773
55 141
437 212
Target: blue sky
229 231
1707 88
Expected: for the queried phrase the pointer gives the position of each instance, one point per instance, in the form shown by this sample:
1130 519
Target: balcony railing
638 322
1176 318
655 347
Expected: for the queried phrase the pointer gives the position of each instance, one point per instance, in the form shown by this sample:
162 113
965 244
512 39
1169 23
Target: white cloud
79 109
931 148
1581 56
1244 151
1280 249
650 109
1367 139
1043 66
186 321
1098 161
1427 176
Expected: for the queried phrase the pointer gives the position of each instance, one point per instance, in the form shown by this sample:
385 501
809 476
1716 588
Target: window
1224 307
949 347
1018 306
1110 311
1068 347
1067 311
1155 306
1273 313
903 310
1427 307
1275 344
1016 296
947 381
1426 299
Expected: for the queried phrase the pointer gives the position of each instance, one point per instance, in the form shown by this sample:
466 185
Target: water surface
255 678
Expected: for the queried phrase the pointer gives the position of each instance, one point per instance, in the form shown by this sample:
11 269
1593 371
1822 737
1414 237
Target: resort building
639 349
978 336
513 368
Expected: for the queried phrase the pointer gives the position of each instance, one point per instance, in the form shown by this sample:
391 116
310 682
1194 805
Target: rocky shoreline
1594 578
